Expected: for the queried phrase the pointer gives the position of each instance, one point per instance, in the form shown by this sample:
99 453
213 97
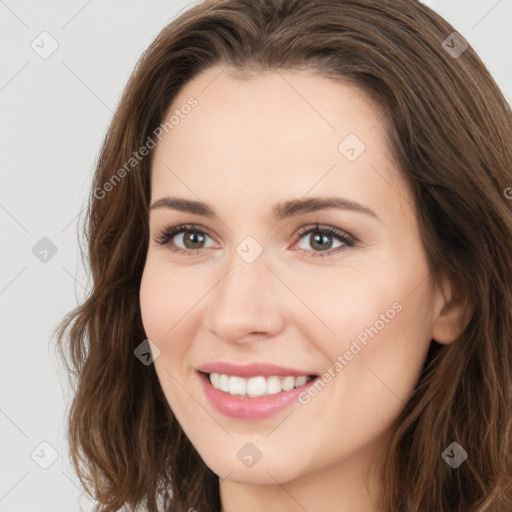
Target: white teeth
300 381
273 385
237 385
223 382
215 380
255 386
288 383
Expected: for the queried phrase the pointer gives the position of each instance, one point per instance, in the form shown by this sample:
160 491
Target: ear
452 312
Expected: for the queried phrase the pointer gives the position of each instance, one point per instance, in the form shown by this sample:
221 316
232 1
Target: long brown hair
450 132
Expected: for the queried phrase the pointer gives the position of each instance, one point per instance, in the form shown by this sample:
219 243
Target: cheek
165 297
162 304
379 298
153 298
376 358
379 332
346 305
170 304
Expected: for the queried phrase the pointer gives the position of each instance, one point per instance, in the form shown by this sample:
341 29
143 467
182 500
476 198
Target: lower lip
246 408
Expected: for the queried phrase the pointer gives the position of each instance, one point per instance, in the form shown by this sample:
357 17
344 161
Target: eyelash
349 241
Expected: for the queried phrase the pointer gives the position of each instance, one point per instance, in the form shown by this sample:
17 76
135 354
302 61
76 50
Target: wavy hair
450 133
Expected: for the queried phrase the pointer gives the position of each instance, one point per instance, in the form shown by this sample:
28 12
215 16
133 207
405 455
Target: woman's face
262 285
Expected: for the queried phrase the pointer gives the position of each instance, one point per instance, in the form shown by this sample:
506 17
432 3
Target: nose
247 303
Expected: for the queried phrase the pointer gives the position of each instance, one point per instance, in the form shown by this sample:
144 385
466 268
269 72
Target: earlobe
452 314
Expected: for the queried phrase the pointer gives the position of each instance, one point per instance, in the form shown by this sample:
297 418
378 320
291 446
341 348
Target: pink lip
246 408
252 370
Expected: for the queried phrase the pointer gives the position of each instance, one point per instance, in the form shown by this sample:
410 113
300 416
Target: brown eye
193 239
321 240
184 238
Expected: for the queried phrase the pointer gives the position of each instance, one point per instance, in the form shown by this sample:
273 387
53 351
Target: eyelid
169 232
335 232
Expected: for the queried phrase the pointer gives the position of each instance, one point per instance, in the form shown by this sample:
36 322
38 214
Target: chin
263 472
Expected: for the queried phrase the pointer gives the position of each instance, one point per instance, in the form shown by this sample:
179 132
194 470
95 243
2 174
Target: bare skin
246 146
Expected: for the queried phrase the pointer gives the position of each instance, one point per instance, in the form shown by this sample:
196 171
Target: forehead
279 134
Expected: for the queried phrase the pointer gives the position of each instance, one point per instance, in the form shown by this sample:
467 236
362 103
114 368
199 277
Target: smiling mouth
258 386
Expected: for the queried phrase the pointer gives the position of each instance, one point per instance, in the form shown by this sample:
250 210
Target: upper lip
252 370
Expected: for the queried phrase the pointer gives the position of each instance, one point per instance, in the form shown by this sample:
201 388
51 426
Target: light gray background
54 113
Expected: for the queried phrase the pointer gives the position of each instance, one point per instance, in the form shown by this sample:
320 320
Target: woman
299 234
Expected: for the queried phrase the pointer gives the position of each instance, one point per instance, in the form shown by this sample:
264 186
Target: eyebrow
280 211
